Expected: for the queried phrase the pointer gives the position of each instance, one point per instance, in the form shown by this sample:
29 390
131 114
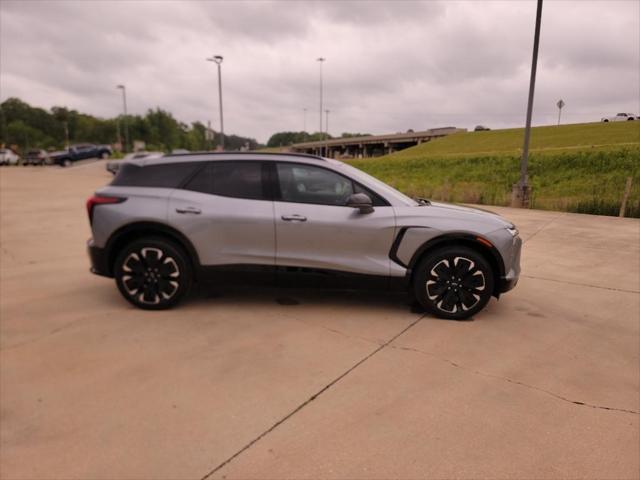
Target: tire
153 273
454 293
104 155
66 162
606 121
631 119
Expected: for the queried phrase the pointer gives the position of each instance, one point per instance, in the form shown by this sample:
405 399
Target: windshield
380 186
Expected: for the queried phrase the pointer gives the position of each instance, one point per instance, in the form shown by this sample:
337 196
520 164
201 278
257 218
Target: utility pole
126 125
521 192
321 60
218 60
304 129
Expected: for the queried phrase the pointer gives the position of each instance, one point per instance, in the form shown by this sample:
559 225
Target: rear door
225 210
315 229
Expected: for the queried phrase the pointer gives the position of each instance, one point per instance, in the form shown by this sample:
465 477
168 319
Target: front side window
308 184
241 179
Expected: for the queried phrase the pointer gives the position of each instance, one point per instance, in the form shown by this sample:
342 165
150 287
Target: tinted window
165 175
240 179
308 184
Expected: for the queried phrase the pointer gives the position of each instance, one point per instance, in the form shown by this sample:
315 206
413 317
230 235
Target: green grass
580 168
551 139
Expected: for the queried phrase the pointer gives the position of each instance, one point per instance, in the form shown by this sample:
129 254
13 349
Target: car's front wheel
453 282
153 273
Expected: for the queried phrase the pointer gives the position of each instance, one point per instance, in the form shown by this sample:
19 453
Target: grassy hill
580 168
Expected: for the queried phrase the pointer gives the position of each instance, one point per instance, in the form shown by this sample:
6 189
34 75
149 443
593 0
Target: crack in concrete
580 284
544 226
515 382
310 399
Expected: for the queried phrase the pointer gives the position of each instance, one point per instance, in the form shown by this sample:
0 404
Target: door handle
294 218
192 210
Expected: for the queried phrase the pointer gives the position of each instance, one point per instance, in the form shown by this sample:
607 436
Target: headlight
512 230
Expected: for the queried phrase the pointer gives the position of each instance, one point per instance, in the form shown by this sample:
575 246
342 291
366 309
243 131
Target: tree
32 127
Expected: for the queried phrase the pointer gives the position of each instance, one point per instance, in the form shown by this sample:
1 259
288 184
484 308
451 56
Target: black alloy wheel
153 273
453 282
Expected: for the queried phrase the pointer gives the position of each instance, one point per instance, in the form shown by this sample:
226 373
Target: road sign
560 103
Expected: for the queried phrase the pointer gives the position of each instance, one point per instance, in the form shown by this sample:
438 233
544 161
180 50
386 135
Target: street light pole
218 60
326 132
126 125
326 124
521 191
321 60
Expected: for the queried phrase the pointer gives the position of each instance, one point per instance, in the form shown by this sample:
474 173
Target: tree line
283 139
25 127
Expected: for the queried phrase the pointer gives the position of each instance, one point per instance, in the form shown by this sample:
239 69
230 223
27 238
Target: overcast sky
390 65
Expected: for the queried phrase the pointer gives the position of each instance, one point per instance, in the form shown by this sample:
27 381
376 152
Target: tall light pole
218 60
521 191
321 60
326 132
326 124
304 122
126 125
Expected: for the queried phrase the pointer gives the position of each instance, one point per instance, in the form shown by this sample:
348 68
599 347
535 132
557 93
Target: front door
315 229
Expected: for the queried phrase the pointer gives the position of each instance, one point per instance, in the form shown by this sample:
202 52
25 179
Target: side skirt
298 277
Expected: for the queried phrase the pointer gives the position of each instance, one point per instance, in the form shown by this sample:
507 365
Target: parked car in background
81 152
115 165
8 157
37 157
481 128
292 219
620 117
178 151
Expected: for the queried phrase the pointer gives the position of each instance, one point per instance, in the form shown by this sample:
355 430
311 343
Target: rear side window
163 175
241 179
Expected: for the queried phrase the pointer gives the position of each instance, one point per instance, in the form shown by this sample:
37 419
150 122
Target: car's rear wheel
453 282
153 273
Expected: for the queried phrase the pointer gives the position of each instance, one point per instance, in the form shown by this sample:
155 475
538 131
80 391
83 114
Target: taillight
101 200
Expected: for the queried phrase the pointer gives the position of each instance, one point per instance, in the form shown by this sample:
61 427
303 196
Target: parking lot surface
287 384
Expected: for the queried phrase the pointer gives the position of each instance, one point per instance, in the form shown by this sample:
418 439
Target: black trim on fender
139 229
393 253
448 238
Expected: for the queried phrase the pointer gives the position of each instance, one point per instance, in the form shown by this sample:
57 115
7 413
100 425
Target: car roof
236 156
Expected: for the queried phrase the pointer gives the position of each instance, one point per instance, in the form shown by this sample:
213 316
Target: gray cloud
390 65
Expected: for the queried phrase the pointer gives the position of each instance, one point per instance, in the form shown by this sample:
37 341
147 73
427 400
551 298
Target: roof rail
285 154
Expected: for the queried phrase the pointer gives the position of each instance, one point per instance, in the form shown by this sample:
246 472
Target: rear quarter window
163 175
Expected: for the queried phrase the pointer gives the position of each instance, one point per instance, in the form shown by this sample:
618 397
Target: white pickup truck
620 117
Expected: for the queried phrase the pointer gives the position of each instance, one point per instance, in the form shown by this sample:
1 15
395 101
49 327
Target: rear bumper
98 259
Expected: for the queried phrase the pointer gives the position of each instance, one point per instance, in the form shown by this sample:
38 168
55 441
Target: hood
450 217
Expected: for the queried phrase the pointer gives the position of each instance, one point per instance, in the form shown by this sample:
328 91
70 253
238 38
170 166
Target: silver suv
291 219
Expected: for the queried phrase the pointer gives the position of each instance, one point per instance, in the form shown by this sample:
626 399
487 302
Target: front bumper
99 259
512 266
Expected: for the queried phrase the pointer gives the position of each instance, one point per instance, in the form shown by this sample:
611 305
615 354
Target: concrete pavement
285 384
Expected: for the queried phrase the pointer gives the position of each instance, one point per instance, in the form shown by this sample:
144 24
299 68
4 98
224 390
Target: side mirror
360 201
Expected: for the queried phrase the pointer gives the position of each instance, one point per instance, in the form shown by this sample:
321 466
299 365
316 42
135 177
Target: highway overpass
372 145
